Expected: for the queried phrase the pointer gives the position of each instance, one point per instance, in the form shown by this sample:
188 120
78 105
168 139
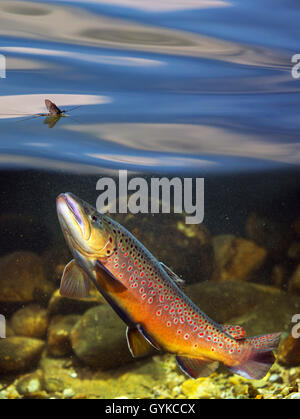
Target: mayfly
52 117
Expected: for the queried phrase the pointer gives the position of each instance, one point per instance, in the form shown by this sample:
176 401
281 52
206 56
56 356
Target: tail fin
260 356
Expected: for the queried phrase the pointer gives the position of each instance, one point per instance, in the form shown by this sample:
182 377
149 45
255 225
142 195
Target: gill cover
86 231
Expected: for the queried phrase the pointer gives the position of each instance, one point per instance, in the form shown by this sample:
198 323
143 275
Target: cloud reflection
161 5
157 161
92 58
78 27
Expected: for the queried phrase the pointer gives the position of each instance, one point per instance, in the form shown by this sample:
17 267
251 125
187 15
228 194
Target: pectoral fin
74 282
196 367
137 344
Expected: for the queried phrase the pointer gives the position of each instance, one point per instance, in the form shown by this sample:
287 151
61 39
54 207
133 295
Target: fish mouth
71 214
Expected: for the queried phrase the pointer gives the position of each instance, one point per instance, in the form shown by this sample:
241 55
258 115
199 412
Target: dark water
193 88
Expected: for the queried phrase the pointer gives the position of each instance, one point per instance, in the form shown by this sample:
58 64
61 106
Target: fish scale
145 294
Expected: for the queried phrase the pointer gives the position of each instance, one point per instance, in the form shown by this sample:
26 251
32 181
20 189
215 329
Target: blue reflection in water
162 86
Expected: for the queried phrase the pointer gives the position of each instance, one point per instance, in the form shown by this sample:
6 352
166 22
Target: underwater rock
19 353
55 259
62 305
236 258
30 321
23 278
99 339
289 351
58 341
294 282
269 234
31 385
167 236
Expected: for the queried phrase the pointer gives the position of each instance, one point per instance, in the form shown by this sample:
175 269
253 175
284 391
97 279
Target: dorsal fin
180 282
237 332
196 367
75 283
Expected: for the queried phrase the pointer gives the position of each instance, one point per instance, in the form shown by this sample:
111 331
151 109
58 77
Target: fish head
87 232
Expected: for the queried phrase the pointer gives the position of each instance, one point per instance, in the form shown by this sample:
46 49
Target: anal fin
75 283
146 335
137 344
196 367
